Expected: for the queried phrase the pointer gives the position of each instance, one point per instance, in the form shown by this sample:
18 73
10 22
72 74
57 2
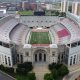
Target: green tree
54 74
63 70
48 76
27 65
31 76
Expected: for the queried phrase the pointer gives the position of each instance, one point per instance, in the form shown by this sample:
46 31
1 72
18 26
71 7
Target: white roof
27 46
53 46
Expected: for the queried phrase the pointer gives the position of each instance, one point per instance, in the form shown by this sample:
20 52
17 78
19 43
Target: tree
54 74
48 77
27 65
57 71
63 70
21 71
62 14
31 76
54 66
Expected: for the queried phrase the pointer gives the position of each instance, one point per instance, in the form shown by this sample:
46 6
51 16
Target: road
4 76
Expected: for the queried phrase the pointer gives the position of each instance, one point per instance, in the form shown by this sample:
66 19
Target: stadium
39 39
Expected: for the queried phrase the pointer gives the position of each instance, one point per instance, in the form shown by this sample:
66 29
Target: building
64 5
76 8
63 35
25 5
71 6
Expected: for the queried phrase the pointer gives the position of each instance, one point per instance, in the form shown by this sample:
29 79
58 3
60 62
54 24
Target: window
53 59
0 43
6 45
73 44
62 56
27 53
17 57
79 43
53 53
70 60
74 61
9 61
21 58
5 60
68 45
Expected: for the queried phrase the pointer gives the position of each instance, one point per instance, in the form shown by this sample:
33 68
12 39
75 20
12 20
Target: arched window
40 57
44 57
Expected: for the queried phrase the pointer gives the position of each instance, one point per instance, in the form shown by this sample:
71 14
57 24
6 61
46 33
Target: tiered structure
40 39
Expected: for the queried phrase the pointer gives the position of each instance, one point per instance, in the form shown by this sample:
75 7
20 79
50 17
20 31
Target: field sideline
40 38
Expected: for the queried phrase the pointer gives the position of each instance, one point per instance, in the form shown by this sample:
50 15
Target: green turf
23 13
39 38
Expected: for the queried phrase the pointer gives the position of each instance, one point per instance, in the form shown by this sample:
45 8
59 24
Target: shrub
9 70
54 74
31 76
47 76
54 66
63 70
62 14
24 67
21 71
58 70
2 67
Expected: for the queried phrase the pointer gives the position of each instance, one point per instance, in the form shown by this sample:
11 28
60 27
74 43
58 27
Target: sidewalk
40 70
74 73
74 67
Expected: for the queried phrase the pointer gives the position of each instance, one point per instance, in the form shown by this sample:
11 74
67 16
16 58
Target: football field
39 38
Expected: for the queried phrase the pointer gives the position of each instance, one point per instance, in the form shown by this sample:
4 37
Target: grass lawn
21 77
24 13
28 76
39 38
